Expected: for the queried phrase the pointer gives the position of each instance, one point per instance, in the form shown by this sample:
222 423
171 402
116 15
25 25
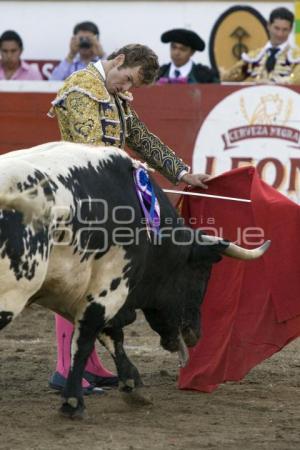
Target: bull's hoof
71 411
135 397
127 386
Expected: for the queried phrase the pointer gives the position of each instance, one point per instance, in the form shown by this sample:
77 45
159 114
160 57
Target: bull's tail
36 209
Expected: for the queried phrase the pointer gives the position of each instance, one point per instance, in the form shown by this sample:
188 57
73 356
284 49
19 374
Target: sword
197 194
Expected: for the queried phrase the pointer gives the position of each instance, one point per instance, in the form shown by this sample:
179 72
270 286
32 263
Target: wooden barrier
192 119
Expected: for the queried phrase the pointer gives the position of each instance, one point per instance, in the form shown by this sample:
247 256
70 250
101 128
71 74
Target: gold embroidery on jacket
87 113
153 151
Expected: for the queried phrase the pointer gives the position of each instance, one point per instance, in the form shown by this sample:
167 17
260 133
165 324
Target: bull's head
178 320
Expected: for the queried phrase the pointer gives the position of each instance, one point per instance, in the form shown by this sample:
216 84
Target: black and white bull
73 239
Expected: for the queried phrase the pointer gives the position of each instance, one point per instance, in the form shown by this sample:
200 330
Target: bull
73 239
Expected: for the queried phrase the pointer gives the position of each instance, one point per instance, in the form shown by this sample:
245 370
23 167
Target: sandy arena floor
262 412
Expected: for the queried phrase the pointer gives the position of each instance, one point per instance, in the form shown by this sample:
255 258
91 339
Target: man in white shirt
276 62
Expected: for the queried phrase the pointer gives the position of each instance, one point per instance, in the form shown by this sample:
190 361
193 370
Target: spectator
182 69
85 47
276 62
12 67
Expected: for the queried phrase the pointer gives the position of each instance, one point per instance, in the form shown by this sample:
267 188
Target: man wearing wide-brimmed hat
182 69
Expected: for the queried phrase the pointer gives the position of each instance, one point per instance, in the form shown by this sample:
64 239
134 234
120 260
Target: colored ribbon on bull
148 199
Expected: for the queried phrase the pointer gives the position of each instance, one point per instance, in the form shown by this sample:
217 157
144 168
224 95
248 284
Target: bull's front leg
85 334
130 382
129 377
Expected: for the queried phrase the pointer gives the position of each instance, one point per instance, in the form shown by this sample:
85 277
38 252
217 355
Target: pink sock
64 330
95 366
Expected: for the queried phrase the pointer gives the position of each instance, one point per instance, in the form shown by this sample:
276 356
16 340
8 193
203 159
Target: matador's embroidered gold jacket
87 113
252 67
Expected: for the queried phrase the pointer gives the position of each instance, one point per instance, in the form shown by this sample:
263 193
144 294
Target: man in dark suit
182 69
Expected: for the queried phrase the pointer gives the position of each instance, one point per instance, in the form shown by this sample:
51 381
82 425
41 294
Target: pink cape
251 309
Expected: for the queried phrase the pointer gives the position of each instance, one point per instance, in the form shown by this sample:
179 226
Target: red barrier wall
174 113
24 121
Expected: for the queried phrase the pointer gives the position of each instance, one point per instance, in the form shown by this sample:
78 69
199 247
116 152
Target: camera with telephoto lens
84 42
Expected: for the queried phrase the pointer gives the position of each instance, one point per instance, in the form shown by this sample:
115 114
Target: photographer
85 47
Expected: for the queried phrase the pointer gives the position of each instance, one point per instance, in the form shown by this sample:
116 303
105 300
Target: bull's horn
183 353
237 252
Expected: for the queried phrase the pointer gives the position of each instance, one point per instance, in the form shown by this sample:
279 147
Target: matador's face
122 79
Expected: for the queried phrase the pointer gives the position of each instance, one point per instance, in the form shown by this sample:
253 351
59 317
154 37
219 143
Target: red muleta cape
252 308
